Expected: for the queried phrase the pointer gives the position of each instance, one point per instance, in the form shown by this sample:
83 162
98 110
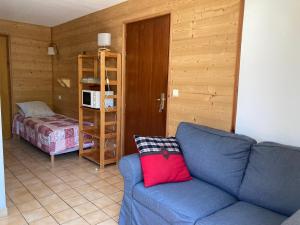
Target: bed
54 135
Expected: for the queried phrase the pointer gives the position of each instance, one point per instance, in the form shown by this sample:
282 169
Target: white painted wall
51 12
2 183
269 88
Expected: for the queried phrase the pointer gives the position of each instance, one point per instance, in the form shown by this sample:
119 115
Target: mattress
54 135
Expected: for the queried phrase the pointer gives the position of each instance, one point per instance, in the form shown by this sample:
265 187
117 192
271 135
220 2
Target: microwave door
87 99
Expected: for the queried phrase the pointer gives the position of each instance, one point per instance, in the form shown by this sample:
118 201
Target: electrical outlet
59 97
175 93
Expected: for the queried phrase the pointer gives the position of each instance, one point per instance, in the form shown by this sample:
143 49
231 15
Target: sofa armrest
130 168
293 219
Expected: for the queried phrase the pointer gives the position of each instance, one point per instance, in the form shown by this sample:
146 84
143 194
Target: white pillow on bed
20 111
35 109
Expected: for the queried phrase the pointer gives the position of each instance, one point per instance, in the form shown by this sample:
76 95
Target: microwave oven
92 99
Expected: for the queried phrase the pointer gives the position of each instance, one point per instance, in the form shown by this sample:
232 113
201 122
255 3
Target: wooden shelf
105 133
110 109
94 156
90 109
111 83
111 55
110 161
110 69
90 84
111 96
95 133
88 70
110 135
110 123
87 56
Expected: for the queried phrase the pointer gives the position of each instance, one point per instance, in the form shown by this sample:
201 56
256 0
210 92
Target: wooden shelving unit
100 126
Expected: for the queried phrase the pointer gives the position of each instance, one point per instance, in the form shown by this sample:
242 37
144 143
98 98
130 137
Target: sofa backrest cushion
215 156
272 178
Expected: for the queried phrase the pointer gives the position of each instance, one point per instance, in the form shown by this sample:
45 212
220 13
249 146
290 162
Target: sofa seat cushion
242 213
185 202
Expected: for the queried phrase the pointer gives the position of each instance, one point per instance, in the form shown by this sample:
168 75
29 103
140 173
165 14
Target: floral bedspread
54 135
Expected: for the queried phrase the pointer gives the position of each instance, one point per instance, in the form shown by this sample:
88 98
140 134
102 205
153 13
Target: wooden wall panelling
203 58
31 67
5 87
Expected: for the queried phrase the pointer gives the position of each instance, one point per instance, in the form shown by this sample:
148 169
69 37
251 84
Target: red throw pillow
161 160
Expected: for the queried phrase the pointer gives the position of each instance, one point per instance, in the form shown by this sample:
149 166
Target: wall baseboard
3 212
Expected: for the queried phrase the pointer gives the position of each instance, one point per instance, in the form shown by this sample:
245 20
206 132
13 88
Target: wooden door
147 63
5 88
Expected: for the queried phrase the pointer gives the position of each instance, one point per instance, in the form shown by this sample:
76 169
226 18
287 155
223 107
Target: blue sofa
235 182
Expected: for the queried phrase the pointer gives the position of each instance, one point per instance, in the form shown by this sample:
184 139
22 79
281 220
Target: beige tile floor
73 192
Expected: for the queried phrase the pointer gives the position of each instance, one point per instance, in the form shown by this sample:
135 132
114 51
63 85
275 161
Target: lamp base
100 49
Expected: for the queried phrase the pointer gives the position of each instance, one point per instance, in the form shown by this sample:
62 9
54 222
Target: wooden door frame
123 76
237 65
9 74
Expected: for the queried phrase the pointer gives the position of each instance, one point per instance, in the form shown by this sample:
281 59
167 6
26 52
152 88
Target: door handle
162 100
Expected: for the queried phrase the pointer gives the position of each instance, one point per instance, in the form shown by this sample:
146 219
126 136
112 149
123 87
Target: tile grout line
44 196
48 169
13 200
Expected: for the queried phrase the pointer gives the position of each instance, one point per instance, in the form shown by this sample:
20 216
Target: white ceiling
50 12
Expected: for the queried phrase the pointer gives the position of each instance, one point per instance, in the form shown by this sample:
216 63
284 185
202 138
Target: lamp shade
51 50
104 39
